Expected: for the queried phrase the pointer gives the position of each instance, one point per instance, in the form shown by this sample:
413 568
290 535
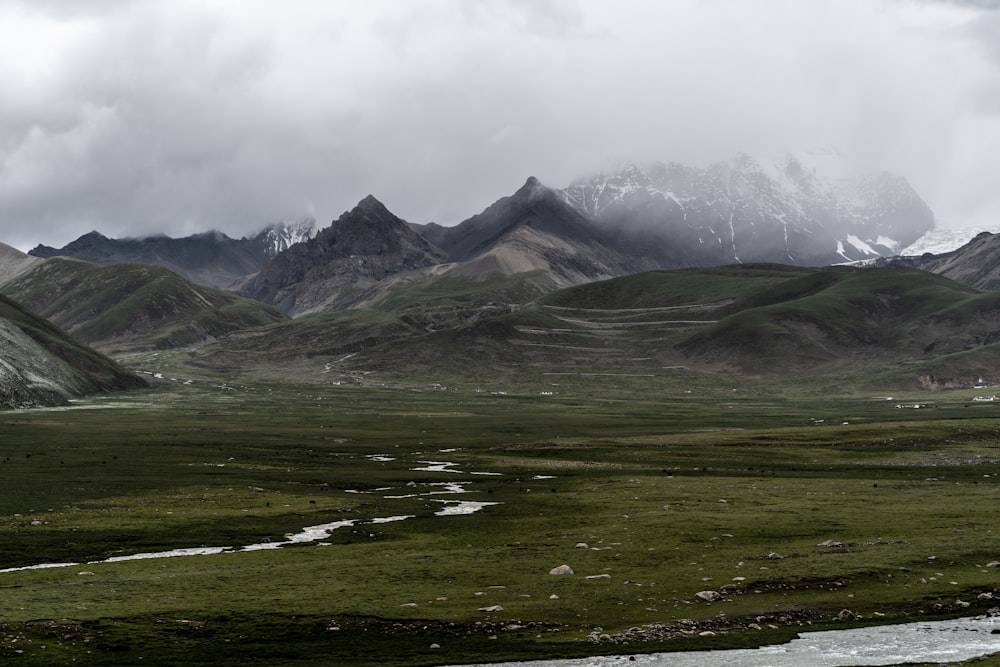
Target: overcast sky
177 116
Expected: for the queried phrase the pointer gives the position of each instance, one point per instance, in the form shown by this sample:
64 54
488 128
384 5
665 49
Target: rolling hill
860 325
132 306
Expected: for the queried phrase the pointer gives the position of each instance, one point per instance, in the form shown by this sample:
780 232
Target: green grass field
690 486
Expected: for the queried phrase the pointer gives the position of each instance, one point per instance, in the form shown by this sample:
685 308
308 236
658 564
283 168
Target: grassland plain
650 494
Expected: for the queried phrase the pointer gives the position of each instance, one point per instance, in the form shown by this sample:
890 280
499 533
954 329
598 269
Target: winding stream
318 532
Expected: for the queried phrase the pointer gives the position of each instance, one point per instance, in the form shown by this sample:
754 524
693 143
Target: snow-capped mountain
796 210
280 236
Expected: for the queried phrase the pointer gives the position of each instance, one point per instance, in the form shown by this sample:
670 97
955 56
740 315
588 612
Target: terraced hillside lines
617 340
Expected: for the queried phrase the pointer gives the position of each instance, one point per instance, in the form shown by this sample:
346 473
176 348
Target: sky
138 117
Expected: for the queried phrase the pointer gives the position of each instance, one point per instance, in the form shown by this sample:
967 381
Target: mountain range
212 259
718 270
630 220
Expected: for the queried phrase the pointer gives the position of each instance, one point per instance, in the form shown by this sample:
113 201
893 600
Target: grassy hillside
133 306
42 365
656 289
840 316
805 327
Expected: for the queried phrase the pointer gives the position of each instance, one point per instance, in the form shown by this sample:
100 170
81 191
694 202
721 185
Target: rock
709 596
581 545
985 596
435 646
830 543
553 597
562 569
846 615
494 608
774 556
86 573
706 633
962 604
598 576
995 563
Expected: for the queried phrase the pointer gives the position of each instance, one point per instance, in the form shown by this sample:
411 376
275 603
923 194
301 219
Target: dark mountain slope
41 365
132 306
211 259
535 229
363 246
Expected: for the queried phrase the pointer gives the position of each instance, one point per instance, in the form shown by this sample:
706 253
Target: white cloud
179 116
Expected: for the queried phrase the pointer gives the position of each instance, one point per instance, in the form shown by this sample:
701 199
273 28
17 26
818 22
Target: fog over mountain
179 117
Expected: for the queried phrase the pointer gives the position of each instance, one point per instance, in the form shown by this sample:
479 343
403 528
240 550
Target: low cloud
178 116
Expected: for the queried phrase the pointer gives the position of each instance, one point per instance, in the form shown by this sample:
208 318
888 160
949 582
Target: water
931 641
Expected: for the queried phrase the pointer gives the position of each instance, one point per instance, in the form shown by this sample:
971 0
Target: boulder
709 596
562 569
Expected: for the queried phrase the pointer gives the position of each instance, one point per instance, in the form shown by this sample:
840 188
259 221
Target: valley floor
270 523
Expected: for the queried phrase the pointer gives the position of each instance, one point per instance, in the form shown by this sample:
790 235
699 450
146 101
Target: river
930 641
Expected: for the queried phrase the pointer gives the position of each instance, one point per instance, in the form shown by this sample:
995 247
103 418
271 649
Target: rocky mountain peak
371 205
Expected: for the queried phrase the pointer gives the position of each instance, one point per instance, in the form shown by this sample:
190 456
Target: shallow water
931 641
314 534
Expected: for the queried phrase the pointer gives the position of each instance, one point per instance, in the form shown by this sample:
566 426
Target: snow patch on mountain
280 236
939 241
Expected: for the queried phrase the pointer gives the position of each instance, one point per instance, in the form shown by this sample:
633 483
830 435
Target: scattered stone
706 633
962 604
985 596
709 596
553 597
582 545
995 563
562 569
435 646
494 608
86 573
598 576
846 615
830 543
774 556
409 604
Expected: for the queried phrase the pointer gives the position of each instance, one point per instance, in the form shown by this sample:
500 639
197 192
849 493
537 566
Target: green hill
133 306
841 324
